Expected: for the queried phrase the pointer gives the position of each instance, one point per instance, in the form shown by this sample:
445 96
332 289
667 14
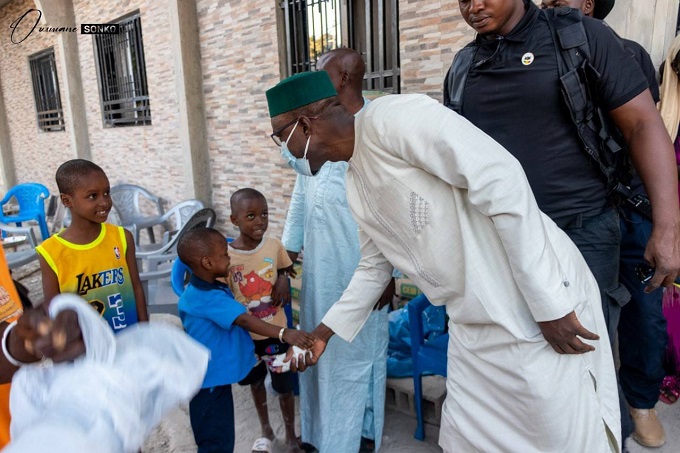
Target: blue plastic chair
428 356
31 200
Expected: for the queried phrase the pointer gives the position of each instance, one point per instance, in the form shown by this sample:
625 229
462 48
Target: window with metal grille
121 72
46 91
314 27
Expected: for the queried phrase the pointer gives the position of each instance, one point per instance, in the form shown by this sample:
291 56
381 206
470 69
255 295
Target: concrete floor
174 434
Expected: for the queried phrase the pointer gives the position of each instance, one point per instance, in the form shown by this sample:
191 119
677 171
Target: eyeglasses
275 135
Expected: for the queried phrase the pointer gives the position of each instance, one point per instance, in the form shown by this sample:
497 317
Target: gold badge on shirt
527 58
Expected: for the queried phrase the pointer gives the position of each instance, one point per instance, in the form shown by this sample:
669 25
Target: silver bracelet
5 351
283 329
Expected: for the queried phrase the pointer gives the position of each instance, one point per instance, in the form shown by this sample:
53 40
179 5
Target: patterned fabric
418 212
252 276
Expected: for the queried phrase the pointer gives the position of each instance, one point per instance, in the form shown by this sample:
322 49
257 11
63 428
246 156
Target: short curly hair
70 172
196 244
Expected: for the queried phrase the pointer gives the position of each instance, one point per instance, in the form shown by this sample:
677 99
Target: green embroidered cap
299 90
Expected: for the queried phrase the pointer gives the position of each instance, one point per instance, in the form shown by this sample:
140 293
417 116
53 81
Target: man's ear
344 78
66 200
306 125
588 6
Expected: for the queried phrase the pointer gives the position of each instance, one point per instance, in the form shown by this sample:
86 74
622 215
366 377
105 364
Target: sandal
670 390
262 445
307 448
367 445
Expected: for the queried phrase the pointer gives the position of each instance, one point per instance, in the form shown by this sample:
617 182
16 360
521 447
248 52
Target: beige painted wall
650 22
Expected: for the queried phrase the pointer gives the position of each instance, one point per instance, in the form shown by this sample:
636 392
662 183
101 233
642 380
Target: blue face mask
301 166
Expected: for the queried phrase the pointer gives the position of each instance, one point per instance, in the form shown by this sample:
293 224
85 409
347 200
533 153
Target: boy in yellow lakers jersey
92 258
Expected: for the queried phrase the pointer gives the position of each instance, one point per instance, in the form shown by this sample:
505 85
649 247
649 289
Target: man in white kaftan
464 225
352 379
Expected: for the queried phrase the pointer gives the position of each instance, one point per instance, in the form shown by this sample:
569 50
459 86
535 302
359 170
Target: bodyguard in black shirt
512 93
642 327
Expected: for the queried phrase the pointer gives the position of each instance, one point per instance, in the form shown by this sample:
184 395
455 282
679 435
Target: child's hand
299 338
281 291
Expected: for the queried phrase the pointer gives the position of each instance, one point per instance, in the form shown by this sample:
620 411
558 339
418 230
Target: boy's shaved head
69 173
197 243
244 194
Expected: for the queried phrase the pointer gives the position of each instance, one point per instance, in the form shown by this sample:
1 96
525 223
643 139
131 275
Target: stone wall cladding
239 54
150 156
430 34
37 154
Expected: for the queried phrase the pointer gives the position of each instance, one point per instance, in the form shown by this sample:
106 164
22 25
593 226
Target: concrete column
59 13
7 172
189 79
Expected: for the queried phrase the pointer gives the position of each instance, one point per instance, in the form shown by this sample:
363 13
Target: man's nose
476 5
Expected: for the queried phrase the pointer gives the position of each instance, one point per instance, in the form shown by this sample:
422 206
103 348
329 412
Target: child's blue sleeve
224 311
215 306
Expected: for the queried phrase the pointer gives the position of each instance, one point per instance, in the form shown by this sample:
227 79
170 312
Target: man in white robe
526 371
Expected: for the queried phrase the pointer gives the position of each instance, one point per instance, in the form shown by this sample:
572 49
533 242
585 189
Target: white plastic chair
157 264
126 202
19 235
173 220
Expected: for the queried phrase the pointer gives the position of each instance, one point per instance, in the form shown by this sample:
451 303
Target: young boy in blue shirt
212 316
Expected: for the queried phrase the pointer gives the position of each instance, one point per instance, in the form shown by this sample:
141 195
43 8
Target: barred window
370 27
46 91
121 71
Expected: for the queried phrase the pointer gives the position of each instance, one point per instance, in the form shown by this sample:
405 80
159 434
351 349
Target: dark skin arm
293 256
563 335
654 158
298 338
321 335
281 290
140 298
36 336
387 295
